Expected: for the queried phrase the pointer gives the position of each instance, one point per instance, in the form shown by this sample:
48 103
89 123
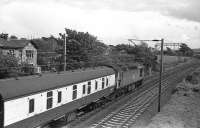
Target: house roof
13 44
11 88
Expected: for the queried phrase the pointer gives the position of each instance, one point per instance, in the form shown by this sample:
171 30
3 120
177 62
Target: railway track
127 114
136 106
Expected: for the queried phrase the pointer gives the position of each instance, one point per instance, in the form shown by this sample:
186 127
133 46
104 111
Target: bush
192 79
195 90
3 73
174 91
188 78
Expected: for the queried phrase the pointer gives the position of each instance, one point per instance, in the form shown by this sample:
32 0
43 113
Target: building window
49 99
106 81
103 83
20 53
74 95
59 96
31 105
29 53
84 89
96 85
141 72
11 52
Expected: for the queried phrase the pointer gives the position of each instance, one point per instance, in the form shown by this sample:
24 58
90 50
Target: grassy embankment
183 109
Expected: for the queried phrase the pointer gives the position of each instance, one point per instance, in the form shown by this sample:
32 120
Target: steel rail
135 100
132 119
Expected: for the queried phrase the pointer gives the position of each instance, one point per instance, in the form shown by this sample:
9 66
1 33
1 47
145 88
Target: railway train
34 101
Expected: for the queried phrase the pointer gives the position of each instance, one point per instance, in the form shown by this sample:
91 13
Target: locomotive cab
119 78
1 112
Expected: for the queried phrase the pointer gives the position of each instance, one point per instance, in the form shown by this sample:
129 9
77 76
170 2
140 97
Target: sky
112 21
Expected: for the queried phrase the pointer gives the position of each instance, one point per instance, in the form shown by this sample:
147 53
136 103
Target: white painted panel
79 90
21 109
69 94
55 97
92 86
15 110
41 102
99 84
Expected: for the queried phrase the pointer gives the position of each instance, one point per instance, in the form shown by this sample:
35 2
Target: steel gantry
174 46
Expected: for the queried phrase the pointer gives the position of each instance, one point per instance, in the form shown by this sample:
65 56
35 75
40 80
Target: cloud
184 9
113 21
190 11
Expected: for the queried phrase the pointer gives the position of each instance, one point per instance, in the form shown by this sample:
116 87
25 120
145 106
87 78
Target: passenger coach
33 101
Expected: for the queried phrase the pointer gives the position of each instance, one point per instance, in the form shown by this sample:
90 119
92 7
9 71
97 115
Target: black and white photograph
99 63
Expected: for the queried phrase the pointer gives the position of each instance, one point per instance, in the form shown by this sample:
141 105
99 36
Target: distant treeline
85 50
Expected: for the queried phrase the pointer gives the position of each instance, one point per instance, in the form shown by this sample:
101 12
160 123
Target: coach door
1 112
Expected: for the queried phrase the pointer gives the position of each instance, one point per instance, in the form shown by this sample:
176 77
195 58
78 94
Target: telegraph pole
161 70
65 52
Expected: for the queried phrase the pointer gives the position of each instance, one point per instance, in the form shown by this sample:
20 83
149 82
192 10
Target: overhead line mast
161 67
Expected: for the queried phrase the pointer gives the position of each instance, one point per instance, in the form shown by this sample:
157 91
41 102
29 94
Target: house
23 50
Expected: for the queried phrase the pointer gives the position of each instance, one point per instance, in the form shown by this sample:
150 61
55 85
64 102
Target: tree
138 53
48 51
169 52
8 61
122 47
81 47
143 44
185 50
8 65
4 36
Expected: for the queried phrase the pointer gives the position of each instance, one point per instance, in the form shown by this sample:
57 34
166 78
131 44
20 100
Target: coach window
89 87
59 96
31 105
103 83
106 81
141 71
96 85
83 89
49 99
74 96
